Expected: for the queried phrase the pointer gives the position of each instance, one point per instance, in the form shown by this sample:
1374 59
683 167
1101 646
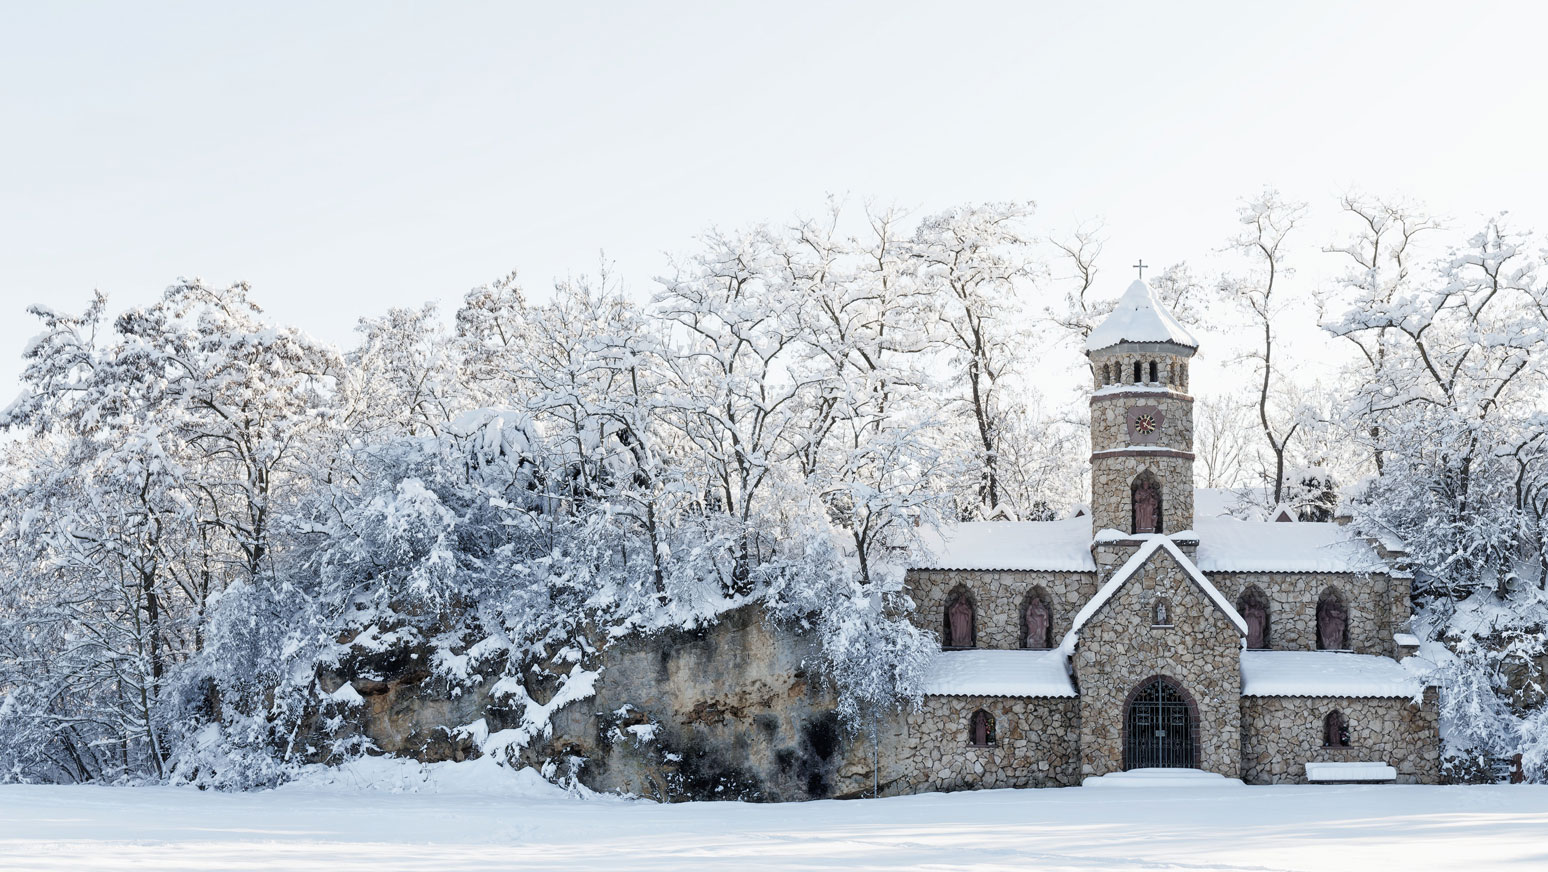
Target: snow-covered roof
999 673
1158 390
1212 502
1048 546
1153 542
1226 544
1233 545
1139 317
1329 673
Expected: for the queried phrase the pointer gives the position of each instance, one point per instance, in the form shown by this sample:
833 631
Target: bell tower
1141 419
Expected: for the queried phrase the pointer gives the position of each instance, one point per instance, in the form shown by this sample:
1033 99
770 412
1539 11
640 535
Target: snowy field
505 821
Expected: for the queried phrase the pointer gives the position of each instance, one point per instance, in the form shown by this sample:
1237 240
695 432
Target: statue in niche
1159 615
1147 508
1335 733
1256 617
1332 625
1037 623
983 729
960 616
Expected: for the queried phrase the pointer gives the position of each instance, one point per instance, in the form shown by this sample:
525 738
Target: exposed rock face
726 712
404 710
1280 735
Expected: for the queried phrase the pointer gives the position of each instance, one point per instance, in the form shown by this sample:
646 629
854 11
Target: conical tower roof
1139 317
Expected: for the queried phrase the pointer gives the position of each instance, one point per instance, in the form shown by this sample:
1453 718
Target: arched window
1145 502
1036 620
1335 732
981 729
1153 371
959 622
1137 376
1332 622
1161 613
1254 609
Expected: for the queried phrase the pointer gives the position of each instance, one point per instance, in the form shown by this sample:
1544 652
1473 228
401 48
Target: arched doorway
1159 727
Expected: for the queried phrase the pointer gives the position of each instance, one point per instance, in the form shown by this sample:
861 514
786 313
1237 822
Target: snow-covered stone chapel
1156 630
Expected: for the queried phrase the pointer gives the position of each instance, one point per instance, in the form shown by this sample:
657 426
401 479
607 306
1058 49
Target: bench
1350 773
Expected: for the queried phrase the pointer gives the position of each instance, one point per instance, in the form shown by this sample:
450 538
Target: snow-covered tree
971 261
1448 397
1267 220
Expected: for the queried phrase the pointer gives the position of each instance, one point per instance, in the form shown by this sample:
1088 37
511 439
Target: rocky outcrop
730 711
402 708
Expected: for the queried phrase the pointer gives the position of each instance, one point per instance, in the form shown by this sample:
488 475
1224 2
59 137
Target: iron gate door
1158 729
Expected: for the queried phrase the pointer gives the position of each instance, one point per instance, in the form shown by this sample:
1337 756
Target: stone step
1161 778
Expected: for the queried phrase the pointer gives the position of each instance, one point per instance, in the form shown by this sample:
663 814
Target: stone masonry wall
1036 745
1281 734
1112 476
999 596
1110 423
1119 649
1292 598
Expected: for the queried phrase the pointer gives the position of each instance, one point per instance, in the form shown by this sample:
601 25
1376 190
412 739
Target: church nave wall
1035 745
1281 734
1292 599
998 597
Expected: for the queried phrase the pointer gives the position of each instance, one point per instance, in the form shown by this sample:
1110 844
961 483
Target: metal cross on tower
1141 267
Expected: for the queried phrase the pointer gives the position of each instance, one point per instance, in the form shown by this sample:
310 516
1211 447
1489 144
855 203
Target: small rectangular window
1137 375
1152 370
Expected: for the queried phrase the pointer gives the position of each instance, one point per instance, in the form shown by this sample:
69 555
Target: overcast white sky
345 157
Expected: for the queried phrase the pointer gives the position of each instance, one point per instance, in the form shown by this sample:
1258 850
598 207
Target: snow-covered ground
499 821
